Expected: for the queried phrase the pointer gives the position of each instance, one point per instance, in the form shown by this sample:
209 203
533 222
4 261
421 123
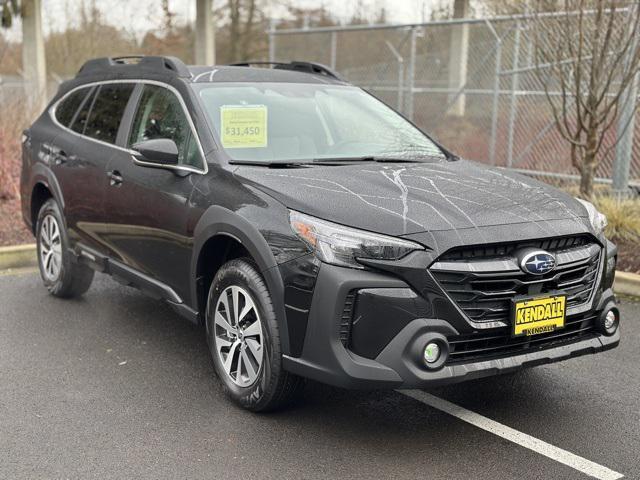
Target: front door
148 206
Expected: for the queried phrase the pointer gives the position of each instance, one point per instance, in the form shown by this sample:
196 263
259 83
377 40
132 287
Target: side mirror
161 151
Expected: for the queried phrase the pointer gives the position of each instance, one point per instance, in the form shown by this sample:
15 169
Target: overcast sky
138 16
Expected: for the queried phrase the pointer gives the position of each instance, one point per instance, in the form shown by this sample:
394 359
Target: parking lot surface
115 385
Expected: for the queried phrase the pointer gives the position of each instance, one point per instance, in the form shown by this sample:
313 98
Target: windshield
267 122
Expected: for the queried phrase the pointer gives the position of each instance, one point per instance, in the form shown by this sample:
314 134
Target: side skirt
134 278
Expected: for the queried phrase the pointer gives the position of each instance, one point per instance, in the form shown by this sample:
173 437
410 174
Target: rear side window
107 110
68 107
80 120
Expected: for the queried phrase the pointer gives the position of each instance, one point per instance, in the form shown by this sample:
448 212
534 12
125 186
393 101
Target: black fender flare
43 175
218 220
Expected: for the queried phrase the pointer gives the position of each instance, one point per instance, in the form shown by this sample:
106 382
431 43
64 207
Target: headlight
597 219
340 245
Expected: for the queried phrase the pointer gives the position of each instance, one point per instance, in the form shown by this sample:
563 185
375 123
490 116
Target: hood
401 199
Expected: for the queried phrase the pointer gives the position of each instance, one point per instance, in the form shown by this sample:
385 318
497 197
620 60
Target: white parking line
527 441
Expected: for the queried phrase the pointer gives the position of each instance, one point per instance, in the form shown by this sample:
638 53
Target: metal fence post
412 72
495 105
400 62
458 58
624 148
272 40
334 49
514 98
625 128
496 94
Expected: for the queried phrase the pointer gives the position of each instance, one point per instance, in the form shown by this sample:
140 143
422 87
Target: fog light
608 323
431 353
610 320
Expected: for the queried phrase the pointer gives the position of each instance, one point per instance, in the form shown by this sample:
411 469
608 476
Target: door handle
115 178
60 157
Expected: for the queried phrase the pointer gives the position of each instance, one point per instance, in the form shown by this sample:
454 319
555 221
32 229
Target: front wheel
244 339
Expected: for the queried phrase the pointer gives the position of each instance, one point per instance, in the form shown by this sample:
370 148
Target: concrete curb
627 284
18 256
24 256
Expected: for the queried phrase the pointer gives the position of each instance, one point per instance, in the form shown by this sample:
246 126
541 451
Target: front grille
483 281
506 249
499 342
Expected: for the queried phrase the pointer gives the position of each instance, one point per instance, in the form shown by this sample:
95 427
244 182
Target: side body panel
82 175
147 221
36 166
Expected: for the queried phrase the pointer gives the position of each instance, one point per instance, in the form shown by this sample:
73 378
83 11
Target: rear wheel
244 339
61 274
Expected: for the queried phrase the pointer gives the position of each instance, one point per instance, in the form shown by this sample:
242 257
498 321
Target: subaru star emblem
538 262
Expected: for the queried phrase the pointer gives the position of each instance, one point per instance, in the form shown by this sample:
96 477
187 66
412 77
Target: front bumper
405 322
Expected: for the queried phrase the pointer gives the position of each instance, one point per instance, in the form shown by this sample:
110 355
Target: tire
63 276
256 384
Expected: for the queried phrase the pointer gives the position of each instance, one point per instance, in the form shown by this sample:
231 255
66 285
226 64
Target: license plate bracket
532 316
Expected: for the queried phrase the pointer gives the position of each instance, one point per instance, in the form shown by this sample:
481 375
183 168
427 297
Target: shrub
623 214
14 117
623 217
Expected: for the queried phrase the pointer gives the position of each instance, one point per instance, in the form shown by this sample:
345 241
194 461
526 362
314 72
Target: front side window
67 108
306 122
160 115
106 113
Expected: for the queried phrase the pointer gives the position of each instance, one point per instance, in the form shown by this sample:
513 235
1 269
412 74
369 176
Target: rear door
82 153
48 142
148 206
79 171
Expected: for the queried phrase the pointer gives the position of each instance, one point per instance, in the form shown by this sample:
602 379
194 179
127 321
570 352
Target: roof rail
148 63
305 67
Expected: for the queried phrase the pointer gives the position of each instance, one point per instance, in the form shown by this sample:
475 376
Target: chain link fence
471 84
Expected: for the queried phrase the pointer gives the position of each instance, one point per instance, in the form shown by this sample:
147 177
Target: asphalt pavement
115 385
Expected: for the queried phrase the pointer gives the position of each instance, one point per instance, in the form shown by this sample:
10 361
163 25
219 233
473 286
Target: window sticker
243 126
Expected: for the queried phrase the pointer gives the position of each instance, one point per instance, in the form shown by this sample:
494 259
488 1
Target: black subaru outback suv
313 230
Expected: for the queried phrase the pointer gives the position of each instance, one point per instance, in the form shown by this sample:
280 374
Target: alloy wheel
50 248
239 340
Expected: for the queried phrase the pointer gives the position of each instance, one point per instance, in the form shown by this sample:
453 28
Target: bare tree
8 10
585 59
244 16
168 17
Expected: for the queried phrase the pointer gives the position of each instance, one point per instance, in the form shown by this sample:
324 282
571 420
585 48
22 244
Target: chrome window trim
201 171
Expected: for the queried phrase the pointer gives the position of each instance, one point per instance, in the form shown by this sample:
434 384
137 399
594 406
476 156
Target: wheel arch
45 186
220 228
39 195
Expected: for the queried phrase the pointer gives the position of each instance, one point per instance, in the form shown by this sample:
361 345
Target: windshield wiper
366 158
321 161
270 163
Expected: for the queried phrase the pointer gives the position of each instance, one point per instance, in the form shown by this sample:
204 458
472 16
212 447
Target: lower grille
483 282
499 342
347 318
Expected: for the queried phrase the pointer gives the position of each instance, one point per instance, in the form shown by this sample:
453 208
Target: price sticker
243 126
